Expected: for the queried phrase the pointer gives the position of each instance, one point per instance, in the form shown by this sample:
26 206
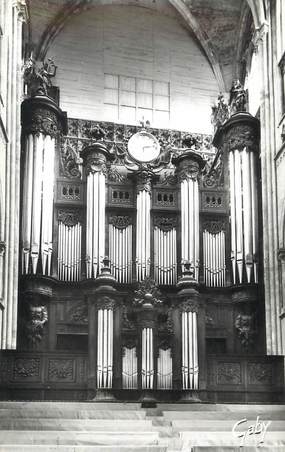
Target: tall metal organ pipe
38 182
143 252
189 165
105 348
95 157
244 214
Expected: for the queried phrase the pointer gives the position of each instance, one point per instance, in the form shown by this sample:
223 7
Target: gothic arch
78 6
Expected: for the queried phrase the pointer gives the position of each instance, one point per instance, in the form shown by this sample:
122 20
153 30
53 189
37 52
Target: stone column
95 158
42 123
189 165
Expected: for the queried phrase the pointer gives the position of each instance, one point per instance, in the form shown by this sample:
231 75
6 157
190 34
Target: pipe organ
141 251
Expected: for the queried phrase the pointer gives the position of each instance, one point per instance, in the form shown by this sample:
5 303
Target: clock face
143 147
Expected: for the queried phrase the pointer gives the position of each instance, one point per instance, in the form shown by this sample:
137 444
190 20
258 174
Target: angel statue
38 79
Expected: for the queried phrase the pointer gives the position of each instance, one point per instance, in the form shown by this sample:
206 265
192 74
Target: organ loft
139 257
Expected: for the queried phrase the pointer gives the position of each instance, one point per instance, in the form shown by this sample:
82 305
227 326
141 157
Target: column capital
259 35
189 165
22 10
96 157
40 114
144 179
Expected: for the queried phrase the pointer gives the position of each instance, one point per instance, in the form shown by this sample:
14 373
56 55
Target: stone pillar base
104 395
148 399
188 396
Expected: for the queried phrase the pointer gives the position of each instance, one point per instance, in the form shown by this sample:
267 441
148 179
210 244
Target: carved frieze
165 223
120 221
61 369
260 373
26 368
69 217
229 373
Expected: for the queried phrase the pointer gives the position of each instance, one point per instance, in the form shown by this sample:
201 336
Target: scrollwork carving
190 170
60 369
41 120
229 373
69 160
165 223
26 368
147 293
214 226
105 302
69 217
240 137
120 221
189 305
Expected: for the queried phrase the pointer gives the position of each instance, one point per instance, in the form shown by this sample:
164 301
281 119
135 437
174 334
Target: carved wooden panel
121 196
213 201
260 373
27 369
164 198
70 192
61 370
229 373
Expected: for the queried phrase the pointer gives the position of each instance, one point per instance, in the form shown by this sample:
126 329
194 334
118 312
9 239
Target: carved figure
37 318
220 112
38 79
245 328
237 97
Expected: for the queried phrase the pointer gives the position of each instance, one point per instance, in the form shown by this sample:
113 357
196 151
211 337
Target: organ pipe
165 258
244 215
164 369
214 258
37 214
105 348
190 369
143 232
69 251
147 358
120 252
189 165
130 368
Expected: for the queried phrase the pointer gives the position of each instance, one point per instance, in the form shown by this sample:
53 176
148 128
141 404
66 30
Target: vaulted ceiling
216 24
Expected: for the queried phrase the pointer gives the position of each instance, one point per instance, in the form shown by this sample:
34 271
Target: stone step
69 413
78 438
221 407
238 449
41 448
227 415
222 425
79 406
223 439
76 424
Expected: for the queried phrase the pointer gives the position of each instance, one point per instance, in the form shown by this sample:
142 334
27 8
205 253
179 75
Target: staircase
125 427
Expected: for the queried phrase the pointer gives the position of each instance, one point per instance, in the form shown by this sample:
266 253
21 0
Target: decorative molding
147 293
165 223
144 179
70 217
96 164
61 369
229 373
120 221
26 368
115 176
41 120
168 179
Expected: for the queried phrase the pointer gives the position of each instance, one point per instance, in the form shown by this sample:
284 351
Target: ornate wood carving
147 293
120 221
36 316
213 226
229 373
260 373
69 217
165 223
240 137
238 98
190 170
26 368
244 323
215 176
38 79
78 314
220 112
61 369
69 160
105 302
188 305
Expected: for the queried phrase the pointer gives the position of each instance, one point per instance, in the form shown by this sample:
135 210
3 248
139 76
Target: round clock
143 147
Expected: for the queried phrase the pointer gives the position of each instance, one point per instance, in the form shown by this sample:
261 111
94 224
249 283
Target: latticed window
131 99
